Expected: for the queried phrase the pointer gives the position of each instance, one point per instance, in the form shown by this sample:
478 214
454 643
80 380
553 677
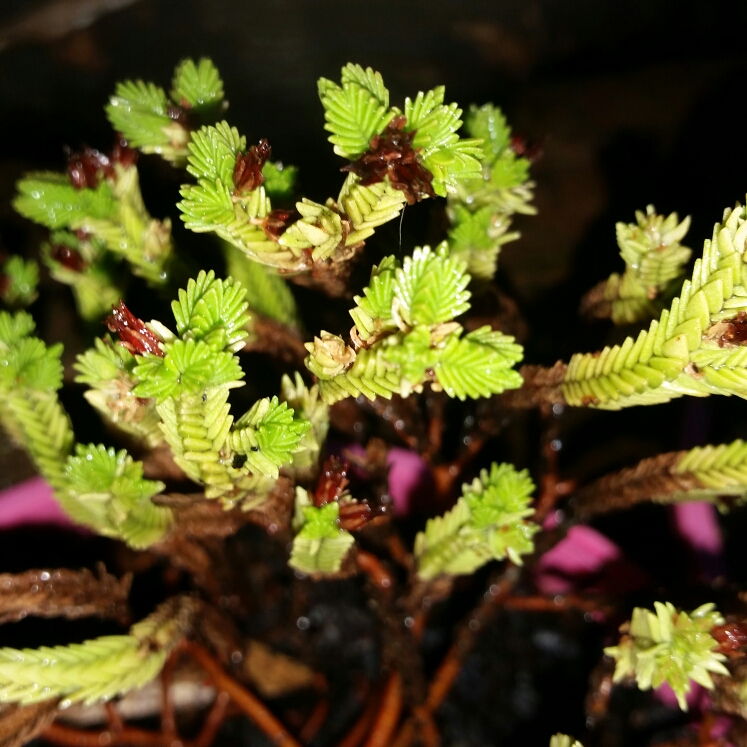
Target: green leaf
50 199
20 281
30 364
109 486
373 312
187 367
435 123
563 740
431 287
670 646
99 669
489 124
320 546
479 364
14 327
104 362
213 151
267 435
140 112
197 85
471 230
499 497
414 355
106 474
453 163
213 311
488 522
508 171
353 115
307 406
368 79
280 180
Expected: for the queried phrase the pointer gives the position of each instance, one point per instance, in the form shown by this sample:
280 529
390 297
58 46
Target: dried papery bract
391 155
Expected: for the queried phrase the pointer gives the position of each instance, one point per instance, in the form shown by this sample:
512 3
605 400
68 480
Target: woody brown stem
594 304
377 573
450 667
541 385
363 725
388 716
279 340
653 478
246 701
64 593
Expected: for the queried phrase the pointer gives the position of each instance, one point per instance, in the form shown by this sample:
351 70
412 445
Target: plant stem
389 713
315 721
369 564
363 725
248 703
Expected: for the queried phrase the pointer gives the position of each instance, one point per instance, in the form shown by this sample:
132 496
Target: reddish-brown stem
400 554
362 726
69 737
315 721
369 564
168 716
445 476
435 433
113 718
551 488
249 704
213 721
389 713
118 734
555 604
450 667
429 735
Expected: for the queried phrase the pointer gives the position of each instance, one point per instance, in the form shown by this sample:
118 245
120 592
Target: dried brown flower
391 155
68 257
86 168
332 483
247 172
527 149
133 334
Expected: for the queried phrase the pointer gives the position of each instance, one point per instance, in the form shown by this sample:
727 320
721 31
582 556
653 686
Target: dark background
635 102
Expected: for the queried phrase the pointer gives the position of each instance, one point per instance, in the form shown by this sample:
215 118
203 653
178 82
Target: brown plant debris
595 304
64 593
277 221
21 724
331 277
133 332
391 155
274 674
729 333
650 479
541 386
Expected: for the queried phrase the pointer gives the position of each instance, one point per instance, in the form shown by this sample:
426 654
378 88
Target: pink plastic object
586 558
32 502
698 526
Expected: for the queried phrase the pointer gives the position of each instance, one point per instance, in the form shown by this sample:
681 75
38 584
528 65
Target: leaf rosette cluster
669 646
